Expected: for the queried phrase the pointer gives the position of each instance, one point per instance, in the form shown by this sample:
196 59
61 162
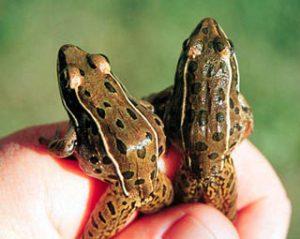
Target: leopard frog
205 116
115 138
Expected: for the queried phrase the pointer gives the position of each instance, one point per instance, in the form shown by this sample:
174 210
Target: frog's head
207 53
79 73
208 38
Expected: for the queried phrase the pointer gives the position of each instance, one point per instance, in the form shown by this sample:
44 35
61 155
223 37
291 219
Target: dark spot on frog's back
201 146
153 174
97 171
120 124
217 136
106 104
231 103
139 181
94 160
111 208
220 117
94 223
113 177
109 87
236 110
213 156
153 158
131 113
87 93
121 146
128 174
101 113
141 153
101 218
106 160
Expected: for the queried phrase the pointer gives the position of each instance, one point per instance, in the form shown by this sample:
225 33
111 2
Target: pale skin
41 196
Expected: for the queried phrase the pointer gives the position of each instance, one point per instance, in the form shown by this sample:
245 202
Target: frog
115 138
205 118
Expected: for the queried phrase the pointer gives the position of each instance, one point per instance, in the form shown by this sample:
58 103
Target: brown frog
206 116
115 138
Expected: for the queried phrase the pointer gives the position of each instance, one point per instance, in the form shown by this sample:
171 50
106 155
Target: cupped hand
45 197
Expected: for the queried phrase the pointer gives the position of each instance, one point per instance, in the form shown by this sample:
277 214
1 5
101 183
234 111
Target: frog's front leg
161 197
110 214
61 147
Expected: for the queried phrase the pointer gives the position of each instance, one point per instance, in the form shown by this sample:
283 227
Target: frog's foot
110 214
61 147
146 104
161 197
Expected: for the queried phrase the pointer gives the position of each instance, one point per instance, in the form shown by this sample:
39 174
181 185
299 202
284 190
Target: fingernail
188 227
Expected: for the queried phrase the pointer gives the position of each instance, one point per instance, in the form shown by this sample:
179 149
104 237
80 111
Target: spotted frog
206 116
115 138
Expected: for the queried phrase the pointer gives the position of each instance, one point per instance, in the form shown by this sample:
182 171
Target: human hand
41 196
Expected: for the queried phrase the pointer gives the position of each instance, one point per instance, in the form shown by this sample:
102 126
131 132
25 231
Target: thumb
187 221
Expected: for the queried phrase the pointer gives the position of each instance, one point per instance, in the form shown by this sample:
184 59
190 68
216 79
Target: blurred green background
143 41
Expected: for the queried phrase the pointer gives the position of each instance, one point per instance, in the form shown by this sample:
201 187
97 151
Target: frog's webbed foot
61 147
161 197
110 214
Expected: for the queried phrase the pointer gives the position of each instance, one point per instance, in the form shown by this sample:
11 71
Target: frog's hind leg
219 190
110 214
161 197
186 186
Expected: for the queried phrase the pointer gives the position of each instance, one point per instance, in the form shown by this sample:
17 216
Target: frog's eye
218 45
99 61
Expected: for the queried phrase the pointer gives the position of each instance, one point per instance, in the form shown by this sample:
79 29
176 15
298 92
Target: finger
264 208
187 221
